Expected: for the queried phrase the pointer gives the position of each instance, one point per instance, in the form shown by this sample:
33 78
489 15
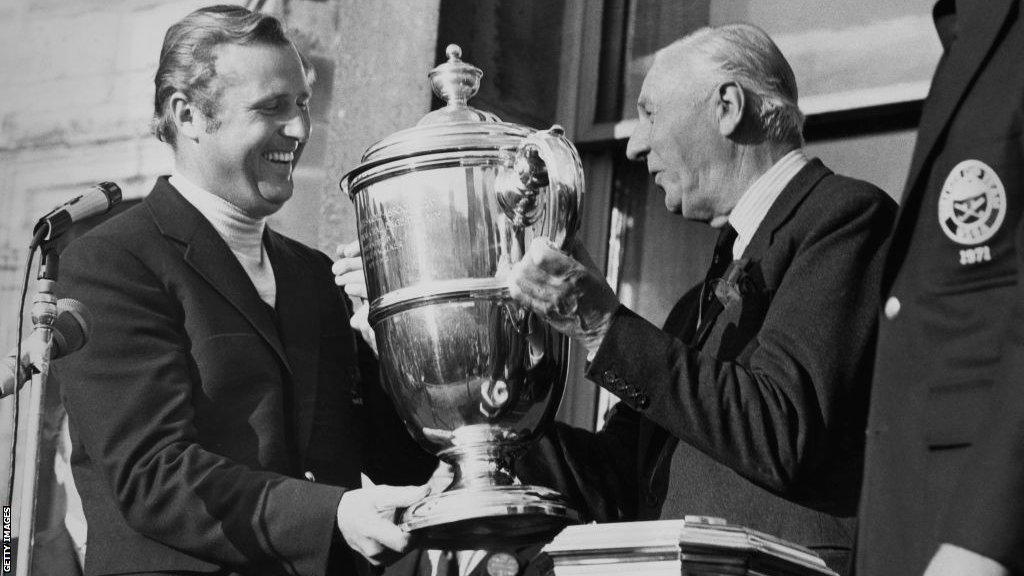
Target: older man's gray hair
747 55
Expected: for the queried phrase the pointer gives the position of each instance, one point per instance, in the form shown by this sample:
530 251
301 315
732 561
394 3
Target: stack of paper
694 546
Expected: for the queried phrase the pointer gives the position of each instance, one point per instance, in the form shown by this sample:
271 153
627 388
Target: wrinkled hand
570 293
365 519
952 560
348 273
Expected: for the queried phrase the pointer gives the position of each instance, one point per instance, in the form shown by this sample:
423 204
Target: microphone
98 200
70 333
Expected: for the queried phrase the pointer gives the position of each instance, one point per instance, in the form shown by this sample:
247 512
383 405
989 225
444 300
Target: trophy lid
456 82
456 127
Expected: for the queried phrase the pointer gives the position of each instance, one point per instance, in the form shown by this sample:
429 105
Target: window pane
656 24
517 45
631 32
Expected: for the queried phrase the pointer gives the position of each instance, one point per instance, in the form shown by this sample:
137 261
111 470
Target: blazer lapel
791 197
788 200
299 321
985 20
208 254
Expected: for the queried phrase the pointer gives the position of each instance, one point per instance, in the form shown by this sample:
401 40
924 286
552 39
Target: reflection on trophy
443 208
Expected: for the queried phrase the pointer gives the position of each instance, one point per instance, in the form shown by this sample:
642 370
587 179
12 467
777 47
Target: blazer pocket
955 413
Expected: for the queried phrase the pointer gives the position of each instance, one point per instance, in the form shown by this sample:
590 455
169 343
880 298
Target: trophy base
472 518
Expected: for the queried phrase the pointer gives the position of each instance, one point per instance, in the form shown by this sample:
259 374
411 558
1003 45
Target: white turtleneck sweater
243 234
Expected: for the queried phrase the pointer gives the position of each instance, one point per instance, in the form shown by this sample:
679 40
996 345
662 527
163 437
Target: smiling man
218 414
750 403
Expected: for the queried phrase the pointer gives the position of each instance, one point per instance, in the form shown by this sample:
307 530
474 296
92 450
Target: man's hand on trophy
348 273
360 321
366 519
441 479
348 270
568 291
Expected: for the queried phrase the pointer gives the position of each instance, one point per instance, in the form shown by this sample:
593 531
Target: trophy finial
455 81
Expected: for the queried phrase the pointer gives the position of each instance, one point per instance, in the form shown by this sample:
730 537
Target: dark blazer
759 422
195 410
954 270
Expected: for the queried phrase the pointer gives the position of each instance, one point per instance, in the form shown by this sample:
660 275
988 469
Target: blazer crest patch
972 204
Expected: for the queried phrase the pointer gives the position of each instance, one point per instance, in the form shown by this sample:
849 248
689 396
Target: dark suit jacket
948 347
761 422
195 412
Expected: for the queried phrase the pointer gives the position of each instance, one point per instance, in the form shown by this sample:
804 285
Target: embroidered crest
972 204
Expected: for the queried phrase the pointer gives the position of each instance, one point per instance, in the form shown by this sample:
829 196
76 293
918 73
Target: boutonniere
736 284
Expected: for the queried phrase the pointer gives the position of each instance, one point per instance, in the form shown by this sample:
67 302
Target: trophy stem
485 504
479 466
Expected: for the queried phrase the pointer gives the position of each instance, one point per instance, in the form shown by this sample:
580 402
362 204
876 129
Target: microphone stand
44 312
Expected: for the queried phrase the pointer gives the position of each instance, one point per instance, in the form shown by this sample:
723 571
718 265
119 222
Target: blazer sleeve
776 416
596 472
131 406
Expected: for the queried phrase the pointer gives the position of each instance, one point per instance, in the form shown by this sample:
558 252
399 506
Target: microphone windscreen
70 328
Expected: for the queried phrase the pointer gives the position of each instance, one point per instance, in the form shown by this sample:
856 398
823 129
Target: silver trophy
443 209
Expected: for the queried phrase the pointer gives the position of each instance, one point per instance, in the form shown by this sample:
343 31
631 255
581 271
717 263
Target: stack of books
694 546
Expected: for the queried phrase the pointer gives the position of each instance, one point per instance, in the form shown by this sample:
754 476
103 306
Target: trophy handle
542 186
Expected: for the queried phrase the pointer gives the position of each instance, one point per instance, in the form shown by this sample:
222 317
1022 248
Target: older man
218 413
750 403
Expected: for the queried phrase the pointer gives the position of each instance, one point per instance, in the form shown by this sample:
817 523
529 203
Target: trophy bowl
443 209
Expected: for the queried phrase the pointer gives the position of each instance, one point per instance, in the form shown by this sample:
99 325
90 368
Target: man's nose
298 126
638 145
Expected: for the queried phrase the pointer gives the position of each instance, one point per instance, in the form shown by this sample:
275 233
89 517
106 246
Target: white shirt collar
753 206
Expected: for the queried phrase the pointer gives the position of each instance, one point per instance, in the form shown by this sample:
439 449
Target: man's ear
729 109
188 119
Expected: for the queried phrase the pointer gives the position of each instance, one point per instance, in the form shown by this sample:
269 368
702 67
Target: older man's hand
570 293
348 273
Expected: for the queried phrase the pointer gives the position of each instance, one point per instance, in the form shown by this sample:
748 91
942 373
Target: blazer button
892 307
652 500
308 475
642 401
